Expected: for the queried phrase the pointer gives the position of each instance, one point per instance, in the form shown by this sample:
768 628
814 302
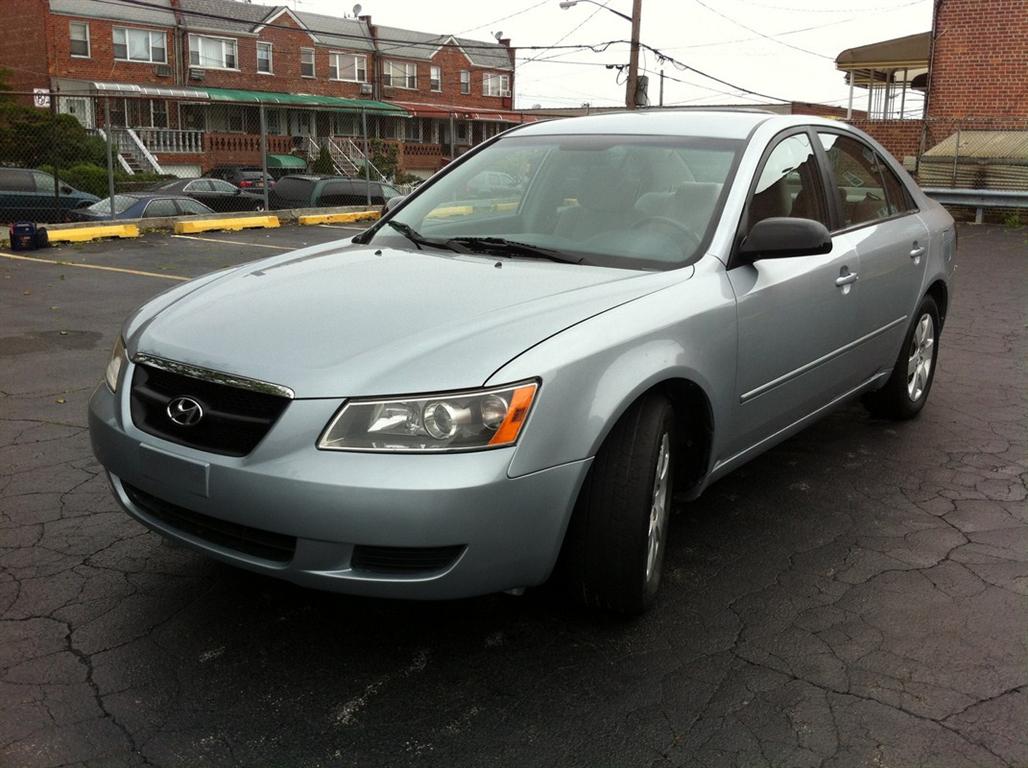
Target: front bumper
510 529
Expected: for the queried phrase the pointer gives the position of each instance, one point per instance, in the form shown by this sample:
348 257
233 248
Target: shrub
324 165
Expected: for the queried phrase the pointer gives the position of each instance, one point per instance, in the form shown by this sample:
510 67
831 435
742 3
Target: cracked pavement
857 596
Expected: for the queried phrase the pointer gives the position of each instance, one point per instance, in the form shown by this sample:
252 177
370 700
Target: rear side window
222 186
858 180
161 207
44 182
339 193
200 185
189 207
789 184
13 180
896 191
294 189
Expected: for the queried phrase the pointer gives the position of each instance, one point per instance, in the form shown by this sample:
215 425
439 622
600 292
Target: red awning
443 112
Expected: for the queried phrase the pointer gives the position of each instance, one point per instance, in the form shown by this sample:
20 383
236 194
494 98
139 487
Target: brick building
182 84
972 70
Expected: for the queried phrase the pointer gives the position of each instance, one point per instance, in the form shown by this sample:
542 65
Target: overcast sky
721 37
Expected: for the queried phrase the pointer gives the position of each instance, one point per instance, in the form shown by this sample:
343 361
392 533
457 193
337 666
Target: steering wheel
664 221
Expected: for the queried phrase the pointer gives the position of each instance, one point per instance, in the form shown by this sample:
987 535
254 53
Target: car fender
592 372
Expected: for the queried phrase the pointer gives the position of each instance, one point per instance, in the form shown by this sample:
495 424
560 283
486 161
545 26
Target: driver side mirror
392 202
783 237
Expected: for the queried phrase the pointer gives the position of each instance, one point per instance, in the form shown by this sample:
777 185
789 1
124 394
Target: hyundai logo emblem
185 411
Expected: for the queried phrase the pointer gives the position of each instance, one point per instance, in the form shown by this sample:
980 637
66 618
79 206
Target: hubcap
658 505
919 363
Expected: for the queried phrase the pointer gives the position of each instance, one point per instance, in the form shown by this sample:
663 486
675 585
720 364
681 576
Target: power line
508 16
761 34
577 27
879 9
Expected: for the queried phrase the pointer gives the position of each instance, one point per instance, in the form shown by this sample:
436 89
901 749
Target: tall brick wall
980 60
23 43
901 137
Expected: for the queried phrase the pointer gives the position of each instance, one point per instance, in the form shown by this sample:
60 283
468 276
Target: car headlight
115 364
449 421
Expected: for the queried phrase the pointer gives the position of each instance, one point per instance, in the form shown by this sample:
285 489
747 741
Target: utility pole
662 86
633 61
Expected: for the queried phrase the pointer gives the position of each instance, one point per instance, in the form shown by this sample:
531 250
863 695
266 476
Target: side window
44 182
337 193
190 207
899 198
161 207
789 184
858 181
12 180
222 186
200 185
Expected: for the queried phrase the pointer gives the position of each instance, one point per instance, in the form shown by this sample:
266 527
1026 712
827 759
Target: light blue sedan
475 394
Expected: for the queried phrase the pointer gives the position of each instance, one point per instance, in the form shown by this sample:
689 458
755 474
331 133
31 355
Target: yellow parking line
235 242
56 263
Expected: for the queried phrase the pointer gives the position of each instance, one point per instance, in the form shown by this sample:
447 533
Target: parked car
244 177
450 405
141 205
309 191
29 195
493 184
216 194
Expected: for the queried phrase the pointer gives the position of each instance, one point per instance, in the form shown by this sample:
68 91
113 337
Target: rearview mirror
783 237
392 202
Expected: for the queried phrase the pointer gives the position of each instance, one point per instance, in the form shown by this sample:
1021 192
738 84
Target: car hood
358 321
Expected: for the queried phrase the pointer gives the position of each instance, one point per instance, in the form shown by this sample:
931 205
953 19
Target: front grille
242 538
404 559
234 419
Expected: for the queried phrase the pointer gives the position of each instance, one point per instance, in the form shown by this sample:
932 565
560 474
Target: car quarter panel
592 372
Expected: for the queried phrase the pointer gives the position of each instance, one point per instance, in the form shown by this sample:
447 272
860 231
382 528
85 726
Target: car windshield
121 204
637 202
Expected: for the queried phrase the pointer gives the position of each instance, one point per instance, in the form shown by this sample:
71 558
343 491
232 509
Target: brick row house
182 84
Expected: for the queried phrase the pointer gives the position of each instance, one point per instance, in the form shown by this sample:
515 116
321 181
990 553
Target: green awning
304 100
286 161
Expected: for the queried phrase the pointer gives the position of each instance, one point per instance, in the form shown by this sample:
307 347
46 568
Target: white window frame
491 77
225 42
465 81
435 78
389 79
271 58
314 66
360 67
89 48
128 48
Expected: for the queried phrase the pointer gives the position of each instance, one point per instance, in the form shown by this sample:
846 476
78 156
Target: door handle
917 251
849 277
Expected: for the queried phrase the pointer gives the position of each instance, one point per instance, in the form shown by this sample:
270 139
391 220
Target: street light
633 61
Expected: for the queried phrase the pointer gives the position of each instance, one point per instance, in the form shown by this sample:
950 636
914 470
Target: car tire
614 548
906 391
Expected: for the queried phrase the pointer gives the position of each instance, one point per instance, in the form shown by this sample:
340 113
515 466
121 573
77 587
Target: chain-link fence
975 153
67 156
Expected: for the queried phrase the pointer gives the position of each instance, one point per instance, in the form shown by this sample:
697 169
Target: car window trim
772 145
831 177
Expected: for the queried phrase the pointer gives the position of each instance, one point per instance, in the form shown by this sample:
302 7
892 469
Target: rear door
17 195
797 316
227 197
880 218
46 204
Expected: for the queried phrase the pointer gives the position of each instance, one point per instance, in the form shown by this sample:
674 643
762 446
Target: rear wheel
906 391
614 550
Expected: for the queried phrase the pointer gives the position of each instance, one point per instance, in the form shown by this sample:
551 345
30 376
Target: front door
796 316
79 108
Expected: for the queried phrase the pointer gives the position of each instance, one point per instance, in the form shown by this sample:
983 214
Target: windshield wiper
419 239
503 246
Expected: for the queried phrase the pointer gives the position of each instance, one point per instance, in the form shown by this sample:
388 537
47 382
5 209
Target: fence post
110 153
57 164
956 156
367 159
264 156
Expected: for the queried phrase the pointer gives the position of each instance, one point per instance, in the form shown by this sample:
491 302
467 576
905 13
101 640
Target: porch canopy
304 100
887 69
286 162
443 111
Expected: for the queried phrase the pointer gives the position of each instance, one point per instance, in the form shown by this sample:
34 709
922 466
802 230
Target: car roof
314 177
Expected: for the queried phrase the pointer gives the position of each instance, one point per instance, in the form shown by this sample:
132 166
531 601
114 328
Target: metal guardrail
979 199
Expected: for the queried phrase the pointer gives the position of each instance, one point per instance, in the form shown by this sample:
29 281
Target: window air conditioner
162 70
366 89
196 74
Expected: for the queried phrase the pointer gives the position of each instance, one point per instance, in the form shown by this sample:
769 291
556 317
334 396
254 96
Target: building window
399 75
348 66
496 85
158 113
212 52
435 78
465 81
306 62
140 45
234 120
264 58
78 31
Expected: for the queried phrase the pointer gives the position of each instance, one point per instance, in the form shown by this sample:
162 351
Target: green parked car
30 195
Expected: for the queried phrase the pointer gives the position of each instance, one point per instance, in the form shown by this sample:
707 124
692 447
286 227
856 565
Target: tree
324 165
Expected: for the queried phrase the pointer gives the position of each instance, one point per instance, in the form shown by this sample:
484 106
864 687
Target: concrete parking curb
81 234
233 224
337 218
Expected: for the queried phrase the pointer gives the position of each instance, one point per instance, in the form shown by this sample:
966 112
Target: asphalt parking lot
856 597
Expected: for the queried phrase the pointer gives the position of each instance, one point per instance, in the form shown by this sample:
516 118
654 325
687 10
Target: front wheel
614 550
906 391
